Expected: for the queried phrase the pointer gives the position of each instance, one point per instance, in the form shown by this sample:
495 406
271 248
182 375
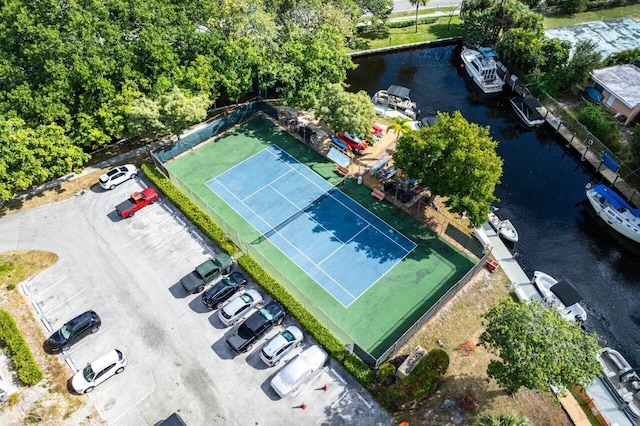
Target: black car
223 290
86 323
255 326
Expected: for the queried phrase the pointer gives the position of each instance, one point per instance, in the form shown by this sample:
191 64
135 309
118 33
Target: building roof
621 80
611 36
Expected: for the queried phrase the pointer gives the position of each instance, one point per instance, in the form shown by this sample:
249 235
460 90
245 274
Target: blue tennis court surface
344 247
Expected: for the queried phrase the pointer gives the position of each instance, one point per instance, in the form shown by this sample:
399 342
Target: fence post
589 143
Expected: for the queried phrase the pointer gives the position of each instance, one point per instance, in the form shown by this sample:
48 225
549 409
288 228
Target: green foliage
16 346
423 381
601 124
455 159
400 125
180 111
585 59
486 20
13 399
537 348
387 369
631 56
573 6
508 419
320 333
11 287
406 24
30 156
635 144
345 111
521 50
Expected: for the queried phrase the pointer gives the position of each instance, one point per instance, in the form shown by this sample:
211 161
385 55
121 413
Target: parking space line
68 299
55 283
46 324
71 364
339 399
37 307
363 400
133 406
99 412
335 373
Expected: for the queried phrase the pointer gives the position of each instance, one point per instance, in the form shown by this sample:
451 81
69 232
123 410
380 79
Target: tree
585 58
573 6
400 125
177 111
508 419
486 20
537 348
455 159
521 50
347 112
143 119
417 4
31 156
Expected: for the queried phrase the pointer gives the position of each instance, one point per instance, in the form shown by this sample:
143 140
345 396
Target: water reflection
542 190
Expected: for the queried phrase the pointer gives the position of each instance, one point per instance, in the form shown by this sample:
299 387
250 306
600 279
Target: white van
298 370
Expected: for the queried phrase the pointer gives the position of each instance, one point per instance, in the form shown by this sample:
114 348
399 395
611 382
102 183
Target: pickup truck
206 272
255 326
136 201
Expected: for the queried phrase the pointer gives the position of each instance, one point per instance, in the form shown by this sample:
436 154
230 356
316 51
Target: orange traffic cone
303 405
325 387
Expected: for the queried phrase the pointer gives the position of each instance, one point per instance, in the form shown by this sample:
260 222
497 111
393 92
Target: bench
342 171
378 193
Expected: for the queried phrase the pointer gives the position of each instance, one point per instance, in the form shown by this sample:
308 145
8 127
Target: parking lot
128 271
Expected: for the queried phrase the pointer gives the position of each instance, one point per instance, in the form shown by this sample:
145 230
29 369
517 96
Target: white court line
66 300
133 406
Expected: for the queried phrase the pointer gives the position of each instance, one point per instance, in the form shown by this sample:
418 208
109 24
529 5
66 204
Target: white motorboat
504 227
615 211
622 382
526 108
560 294
395 102
482 68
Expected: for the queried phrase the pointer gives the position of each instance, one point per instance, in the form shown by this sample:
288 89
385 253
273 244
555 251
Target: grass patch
555 21
17 266
585 407
421 12
401 36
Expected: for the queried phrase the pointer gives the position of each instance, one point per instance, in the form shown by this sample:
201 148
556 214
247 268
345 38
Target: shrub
387 370
423 381
29 372
601 124
319 332
635 143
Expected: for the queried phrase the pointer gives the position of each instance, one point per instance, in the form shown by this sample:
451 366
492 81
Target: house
620 89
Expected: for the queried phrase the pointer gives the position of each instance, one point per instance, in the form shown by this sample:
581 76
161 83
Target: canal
542 191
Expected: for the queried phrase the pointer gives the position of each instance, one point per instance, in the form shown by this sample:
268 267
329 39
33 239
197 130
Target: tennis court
222 174
322 230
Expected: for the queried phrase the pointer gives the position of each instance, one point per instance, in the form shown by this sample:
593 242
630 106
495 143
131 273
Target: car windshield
65 331
88 373
288 336
246 298
266 314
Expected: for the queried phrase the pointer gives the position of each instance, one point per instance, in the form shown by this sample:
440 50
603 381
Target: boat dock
601 402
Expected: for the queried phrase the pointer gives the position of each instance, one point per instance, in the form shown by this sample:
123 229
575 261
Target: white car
237 307
96 372
298 370
280 345
117 175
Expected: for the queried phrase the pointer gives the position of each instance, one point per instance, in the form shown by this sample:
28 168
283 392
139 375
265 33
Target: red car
137 201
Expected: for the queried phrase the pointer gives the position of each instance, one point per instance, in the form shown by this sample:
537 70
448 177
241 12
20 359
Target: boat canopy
567 294
398 91
615 200
488 52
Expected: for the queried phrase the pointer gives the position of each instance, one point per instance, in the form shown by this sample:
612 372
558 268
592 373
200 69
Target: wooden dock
587 154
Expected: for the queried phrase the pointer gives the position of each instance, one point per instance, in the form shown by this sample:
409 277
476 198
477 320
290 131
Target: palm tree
417 4
509 419
400 125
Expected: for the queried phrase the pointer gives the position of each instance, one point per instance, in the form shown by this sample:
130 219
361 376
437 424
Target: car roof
274 308
82 319
279 340
237 301
109 358
299 367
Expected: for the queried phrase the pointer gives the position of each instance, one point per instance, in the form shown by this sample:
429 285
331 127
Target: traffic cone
303 405
325 387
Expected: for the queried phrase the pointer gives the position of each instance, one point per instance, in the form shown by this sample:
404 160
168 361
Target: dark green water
542 191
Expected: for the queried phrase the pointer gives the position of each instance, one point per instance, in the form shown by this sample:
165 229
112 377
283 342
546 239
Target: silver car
299 370
117 175
280 345
237 307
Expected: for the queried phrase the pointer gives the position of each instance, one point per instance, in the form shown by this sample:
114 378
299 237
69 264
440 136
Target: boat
615 211
560 294
395 102
526 108
622 382
503 227
482 68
